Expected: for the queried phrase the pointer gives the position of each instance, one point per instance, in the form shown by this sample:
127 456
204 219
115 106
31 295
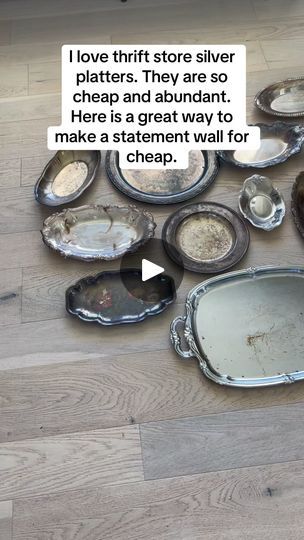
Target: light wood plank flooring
105 434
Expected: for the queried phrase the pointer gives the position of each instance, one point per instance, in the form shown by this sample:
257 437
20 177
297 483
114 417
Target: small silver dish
66 176
261 203
95 232
279 141
284 98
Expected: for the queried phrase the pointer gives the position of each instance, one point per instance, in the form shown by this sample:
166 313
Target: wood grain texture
69 339
6 516
30 107
185 16
10 296
13 81
50 464
10 172
247 504
225 441
5 32
279 53
35 9
224 32
24 138
270 9
118 390
45 78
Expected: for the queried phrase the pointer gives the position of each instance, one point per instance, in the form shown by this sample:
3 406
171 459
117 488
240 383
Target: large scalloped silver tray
283 98
96 232
245 328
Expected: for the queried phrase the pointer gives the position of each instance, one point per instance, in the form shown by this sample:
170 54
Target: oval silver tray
106 300
66 176
283 98
96 232
205 237
164 186
279 141
246 327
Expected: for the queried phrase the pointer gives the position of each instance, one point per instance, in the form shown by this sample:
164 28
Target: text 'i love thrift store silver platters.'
297 202
261 203
246 328
164 186
279 141
66 176
121 297
205 237
284 98
96 232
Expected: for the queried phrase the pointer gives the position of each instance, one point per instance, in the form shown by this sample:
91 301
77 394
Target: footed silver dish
261 203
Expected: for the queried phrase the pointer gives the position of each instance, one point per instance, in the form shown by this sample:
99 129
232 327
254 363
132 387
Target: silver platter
245 328
261 203
66 176
279 141
284 98
96 232
164 186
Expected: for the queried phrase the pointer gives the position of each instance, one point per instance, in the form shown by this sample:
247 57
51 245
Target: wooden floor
104 432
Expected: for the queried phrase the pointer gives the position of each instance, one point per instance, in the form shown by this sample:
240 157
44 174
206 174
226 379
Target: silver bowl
261 203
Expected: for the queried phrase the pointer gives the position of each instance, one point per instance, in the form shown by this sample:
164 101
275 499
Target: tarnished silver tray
66 176
164 186
279 141
284 98
261 203
96 232
120 297
297 202
246 327
205 237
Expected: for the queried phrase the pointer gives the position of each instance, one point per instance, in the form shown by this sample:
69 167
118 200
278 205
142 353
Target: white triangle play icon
149 269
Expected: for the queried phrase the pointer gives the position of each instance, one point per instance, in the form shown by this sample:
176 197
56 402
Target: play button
155 267
150 270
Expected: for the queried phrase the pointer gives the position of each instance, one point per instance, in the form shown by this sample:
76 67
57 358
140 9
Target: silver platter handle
176 339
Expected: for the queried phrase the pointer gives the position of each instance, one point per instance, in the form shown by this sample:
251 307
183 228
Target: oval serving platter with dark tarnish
66 176
206 237
284 98
297 202
164 186
105 298
279 141
96 232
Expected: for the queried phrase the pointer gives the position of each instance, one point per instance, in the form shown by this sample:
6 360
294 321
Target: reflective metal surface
246 328
205 237
261 203
164 186
98 232
105 299
297 202
279 141
66 176
284 98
